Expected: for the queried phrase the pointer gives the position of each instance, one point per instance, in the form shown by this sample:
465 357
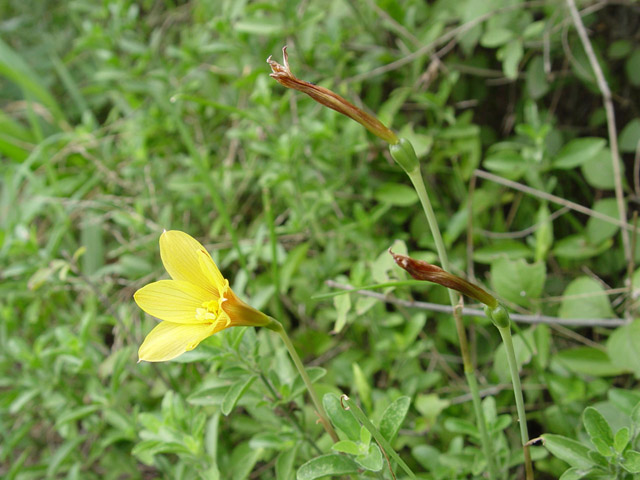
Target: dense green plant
119 119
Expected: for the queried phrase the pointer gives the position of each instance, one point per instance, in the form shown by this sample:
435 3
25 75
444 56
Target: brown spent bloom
421 270
324 96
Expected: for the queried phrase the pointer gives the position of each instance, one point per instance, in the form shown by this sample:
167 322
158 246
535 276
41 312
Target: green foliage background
119 119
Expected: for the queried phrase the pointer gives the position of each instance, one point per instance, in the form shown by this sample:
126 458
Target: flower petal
210 269
173 300
169 340
179 253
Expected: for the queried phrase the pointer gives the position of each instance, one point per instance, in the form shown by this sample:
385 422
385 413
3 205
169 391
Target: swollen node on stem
404 154
498 315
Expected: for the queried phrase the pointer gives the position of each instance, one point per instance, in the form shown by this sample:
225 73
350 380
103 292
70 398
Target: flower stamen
209 312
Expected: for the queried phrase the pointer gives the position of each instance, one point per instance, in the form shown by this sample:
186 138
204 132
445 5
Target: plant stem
415 176
384 444
505 333
322 415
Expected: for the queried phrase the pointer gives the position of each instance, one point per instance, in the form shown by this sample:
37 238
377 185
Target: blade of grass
18 71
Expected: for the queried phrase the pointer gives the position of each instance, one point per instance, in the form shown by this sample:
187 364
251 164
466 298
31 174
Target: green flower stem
505 333
322 415
415 175
384 444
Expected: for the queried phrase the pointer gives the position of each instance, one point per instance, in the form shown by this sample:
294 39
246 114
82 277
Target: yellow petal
210 269
173 300
168 340
179 253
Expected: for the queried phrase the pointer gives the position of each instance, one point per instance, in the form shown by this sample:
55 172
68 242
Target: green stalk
404 149
384 444
322 415
505 333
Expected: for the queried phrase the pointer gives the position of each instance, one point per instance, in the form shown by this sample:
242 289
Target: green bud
404 154
498 315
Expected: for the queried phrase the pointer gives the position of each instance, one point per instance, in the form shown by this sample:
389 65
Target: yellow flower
196 303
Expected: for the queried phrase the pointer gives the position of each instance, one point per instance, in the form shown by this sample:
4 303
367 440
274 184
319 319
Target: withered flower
421 270
324 96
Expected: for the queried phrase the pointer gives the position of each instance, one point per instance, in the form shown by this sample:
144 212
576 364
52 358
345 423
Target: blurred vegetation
119 119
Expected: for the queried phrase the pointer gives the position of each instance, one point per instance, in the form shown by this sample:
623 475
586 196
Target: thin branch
451 34
611 122
553 198
474 312
526 231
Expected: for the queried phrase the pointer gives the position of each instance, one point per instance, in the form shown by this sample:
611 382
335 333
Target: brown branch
611 122
474 312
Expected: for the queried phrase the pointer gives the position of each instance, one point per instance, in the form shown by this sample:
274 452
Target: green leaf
588 361
430 406
285 462
511 54
61 453
372 460
501 423
622 347
578 151
544 233
495 37
598 428
427 456
342 305
534 30
631 461
272 440
362 386
584 297
518 281
210 394
461 426
235 393
346 446
577 247
619 49
393 417
575 473
630 136
396 194
242 461
598 230
626 401
632 67
503 248
621 439
568 450
598 171
331 464
507 163
536 78
341 418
